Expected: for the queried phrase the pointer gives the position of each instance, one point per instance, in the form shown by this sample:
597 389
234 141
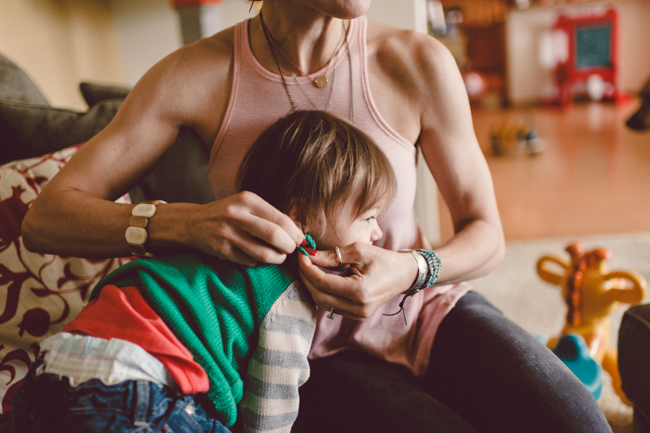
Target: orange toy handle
547 274
634 295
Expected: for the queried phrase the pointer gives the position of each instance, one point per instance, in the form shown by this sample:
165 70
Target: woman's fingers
246 229
326 259
248 238
238 256
350 255
326 282
376 276
273 226
327 289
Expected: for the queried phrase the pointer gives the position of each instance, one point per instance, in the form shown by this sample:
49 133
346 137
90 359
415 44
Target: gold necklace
284 82
321 80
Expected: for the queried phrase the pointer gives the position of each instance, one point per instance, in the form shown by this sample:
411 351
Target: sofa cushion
41 292
16 86
180 175
28 130
94 93
185 160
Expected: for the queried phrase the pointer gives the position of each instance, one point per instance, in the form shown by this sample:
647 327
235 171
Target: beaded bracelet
136 234
435 266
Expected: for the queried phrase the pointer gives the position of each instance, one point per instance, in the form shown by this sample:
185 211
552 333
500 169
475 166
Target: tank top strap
364 85
240 31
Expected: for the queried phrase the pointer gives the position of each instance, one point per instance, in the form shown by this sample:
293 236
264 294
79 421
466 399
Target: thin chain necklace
347 45
329 98
267 35
321 80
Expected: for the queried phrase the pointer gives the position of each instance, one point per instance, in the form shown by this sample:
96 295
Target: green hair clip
310 244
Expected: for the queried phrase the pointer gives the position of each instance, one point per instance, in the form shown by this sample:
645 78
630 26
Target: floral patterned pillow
39 293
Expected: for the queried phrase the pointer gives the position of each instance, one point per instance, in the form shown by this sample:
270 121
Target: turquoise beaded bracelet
431 269
435 266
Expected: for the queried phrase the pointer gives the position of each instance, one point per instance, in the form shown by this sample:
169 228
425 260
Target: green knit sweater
214 307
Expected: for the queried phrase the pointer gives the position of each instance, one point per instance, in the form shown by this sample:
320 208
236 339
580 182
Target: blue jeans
48 404
486 374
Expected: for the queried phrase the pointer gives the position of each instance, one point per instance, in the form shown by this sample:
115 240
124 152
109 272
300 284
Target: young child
184 340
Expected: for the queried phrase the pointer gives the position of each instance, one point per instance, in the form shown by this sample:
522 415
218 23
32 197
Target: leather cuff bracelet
136 233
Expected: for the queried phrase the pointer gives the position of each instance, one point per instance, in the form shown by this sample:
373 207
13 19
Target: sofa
40 293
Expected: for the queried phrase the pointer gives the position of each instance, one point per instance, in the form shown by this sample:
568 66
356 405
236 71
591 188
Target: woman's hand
377 275
245 229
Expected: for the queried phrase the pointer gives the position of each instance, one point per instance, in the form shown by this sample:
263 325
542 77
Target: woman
401 88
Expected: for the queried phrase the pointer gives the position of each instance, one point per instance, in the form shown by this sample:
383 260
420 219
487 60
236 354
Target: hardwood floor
592 177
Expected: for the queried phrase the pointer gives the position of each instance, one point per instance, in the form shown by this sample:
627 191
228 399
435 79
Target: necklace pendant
320 82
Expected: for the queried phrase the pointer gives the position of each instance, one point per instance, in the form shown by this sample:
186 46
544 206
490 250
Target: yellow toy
592 293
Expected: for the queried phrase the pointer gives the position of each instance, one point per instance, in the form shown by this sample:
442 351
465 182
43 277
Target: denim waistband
47 403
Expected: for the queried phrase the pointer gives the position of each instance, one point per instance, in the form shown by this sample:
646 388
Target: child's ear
293 212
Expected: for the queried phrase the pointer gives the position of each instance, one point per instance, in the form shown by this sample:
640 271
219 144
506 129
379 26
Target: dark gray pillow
16 86
28 130
32 130
180 175
94 93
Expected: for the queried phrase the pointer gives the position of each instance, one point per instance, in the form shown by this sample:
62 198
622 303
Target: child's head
327 174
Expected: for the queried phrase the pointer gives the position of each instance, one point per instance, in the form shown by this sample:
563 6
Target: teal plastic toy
573 351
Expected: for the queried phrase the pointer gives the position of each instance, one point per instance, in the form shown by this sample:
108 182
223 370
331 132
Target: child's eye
371 218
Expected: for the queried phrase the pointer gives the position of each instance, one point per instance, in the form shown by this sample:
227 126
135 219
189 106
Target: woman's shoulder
409 68
209 55
191 86
406 48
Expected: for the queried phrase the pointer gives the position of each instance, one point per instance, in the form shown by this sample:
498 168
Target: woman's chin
342 9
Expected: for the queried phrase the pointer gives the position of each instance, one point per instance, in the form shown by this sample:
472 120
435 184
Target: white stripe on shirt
83 357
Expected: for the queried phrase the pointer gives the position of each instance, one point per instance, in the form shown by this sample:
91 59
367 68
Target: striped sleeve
279 365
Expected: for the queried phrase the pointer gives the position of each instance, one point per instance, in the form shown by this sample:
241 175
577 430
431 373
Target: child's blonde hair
315 161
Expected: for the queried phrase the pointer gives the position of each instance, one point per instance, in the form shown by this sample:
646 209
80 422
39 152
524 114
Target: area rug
537 306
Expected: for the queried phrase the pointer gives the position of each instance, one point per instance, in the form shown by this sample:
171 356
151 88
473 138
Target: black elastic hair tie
401 309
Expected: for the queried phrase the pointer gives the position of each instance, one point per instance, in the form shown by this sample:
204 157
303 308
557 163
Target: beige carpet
537 306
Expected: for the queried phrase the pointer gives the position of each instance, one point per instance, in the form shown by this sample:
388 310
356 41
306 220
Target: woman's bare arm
453 155
75 214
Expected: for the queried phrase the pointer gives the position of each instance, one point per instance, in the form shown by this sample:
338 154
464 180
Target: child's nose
376 233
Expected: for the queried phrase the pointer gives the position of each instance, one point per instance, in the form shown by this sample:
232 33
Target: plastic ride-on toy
592 293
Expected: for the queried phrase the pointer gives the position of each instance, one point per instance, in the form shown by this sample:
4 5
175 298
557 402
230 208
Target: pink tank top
257 100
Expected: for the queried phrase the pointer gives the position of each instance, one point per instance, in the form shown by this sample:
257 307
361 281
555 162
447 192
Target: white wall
147 31
408 14
529 80
60 43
